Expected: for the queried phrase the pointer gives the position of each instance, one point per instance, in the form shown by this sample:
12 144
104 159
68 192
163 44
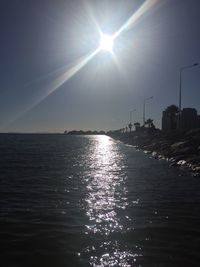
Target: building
169 122
198 121
189 119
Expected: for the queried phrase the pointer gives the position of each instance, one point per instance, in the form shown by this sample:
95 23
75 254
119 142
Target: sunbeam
71 72
148 4
78 65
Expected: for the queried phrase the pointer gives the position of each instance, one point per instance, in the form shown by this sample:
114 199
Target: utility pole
144 107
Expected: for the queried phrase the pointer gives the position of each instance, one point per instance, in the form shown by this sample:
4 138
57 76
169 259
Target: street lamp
130 123
131 114
145 99
180 89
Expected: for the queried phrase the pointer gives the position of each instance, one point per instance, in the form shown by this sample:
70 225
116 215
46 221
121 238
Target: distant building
189 119
168 122
198 121
165 121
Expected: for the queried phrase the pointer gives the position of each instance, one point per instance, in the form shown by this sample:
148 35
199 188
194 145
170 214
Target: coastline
180 149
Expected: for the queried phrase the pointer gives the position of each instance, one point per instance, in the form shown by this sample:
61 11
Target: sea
93 201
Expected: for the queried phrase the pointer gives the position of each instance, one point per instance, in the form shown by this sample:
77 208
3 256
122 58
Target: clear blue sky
41 39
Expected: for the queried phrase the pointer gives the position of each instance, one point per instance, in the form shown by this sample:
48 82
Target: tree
130 126
172 109
149 122
137 125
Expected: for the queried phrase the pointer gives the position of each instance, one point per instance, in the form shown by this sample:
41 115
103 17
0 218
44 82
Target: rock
184 151
181 162
179 145
161 157
190 159
197 168
151 147
173 161
154 154
192 132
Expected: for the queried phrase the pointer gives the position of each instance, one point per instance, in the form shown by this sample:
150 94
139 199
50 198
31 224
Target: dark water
92 201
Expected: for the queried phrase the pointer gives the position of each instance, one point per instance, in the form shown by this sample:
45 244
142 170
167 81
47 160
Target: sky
50 81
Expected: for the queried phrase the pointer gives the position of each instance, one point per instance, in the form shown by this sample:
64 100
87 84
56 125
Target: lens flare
106 43
55 84
146 6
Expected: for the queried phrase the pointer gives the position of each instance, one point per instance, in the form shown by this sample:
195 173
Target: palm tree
149 122
130 126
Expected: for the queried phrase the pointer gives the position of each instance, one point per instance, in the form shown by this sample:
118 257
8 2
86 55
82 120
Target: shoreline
180 149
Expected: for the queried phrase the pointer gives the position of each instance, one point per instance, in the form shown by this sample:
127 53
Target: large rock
179 145
184 151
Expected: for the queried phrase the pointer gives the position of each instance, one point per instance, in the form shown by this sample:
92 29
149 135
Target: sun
106 42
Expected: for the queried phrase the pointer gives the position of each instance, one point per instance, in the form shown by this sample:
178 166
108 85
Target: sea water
93 201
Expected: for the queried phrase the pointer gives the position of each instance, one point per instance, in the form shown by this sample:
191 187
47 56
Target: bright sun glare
106 42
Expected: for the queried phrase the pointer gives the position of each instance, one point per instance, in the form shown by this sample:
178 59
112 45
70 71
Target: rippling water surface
92 201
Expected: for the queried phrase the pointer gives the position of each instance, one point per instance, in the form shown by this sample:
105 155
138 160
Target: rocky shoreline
181 149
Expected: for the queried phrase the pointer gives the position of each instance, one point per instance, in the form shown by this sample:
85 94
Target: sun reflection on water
106 198
103 181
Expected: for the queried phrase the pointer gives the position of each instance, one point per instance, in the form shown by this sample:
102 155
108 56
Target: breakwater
179 148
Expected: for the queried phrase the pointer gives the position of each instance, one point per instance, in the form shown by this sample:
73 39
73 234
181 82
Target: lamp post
130 123
180 88
131 112
144 105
